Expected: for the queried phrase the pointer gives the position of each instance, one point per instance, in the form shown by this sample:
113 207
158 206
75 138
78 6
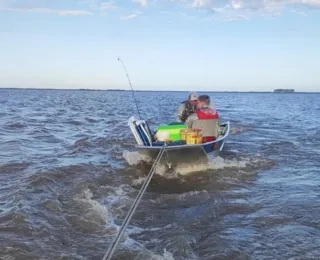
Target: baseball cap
193 96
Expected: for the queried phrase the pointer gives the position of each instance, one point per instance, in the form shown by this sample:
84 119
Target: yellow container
193 136
184 132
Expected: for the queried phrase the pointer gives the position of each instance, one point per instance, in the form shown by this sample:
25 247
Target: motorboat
176 150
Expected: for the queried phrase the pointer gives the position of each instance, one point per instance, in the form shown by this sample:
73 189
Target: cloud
235 10
229 18
219 9
38 6
299 12
200 3
187 16
142 3
73 12
181 14
49 11
129 17
88 2
247 4
237 4
104 6
315 3
235 18
45 6
98 6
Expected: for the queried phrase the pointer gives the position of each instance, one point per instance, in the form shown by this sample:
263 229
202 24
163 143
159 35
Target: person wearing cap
187 107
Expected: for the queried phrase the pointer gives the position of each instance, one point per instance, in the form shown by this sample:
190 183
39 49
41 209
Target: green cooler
173 129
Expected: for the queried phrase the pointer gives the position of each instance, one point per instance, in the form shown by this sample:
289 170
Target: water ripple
66 184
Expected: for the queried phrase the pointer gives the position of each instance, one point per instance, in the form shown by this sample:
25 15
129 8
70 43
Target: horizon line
146 90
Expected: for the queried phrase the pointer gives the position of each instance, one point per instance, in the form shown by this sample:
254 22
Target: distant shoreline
183 91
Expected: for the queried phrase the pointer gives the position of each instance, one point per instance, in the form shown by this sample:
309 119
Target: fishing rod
108 255
134 97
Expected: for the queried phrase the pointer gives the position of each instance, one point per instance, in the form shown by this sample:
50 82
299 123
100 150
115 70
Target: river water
69 175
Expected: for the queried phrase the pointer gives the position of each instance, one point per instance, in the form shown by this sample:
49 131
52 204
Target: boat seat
141 131
208 127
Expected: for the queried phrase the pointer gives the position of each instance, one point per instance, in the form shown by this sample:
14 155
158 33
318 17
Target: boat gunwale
189 146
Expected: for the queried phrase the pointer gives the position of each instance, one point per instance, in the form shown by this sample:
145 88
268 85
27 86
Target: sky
210 45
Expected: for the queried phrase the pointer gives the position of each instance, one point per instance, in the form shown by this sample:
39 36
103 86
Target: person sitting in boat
187 107
205 118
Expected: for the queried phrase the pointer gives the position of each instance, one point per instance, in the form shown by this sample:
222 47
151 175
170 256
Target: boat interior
145 137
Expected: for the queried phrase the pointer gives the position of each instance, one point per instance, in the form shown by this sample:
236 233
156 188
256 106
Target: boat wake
222 165
242 165
135 158
239 130
104 215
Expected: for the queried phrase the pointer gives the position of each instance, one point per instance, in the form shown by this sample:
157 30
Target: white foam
143 252
118 193
105 213
239 130
217 163
160 228
166 256
221 163
161 169
134 158
138 181
96 207
192 193
187 168
134 230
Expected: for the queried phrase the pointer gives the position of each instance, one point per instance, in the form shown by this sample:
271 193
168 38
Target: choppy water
66 185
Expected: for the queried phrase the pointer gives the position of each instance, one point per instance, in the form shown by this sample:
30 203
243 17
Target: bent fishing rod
132 90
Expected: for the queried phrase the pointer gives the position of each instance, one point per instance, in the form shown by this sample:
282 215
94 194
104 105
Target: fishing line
134 97
115 242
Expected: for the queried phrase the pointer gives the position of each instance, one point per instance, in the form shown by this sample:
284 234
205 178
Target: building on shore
280 90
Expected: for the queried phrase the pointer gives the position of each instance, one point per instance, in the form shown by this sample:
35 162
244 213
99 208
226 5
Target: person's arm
180 112
190 120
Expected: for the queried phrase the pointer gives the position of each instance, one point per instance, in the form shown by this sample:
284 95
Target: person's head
193 96
203 101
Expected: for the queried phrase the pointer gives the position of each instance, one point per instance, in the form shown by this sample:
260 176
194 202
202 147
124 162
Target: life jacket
189 109
207 114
